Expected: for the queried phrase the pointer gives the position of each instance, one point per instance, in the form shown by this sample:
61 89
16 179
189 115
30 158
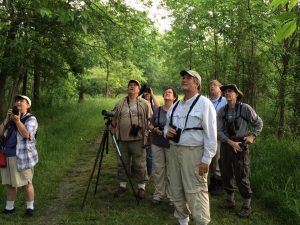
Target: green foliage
96 80
289 22
60 90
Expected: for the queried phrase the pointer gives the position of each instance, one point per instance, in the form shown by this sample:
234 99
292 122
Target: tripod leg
104 146
123 164
94 167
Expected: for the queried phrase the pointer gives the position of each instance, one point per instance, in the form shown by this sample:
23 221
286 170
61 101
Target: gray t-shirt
159 119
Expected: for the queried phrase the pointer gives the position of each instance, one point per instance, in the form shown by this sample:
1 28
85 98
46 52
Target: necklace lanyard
219 100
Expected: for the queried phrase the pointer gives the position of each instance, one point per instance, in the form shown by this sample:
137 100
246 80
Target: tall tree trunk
14 90
296 77
2 95
5 67
107 76
24 85
216 46
190 51
36 81
282 88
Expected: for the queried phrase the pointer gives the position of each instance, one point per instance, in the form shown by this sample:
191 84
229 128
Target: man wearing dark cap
130 124
233 131
191 128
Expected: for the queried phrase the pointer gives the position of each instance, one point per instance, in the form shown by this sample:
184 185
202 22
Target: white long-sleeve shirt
202 115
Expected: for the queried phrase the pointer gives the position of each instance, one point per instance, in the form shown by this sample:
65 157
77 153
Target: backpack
4 139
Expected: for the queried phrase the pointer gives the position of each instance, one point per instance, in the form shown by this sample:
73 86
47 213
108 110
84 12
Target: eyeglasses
228 91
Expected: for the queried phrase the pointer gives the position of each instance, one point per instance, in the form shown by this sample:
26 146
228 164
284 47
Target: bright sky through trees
157 12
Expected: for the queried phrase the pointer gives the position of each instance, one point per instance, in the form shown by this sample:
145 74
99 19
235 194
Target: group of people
189 139
185 140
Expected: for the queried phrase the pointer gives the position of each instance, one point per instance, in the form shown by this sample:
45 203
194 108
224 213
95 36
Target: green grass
68 141
276 176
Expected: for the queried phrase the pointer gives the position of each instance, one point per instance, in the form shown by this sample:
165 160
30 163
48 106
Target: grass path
103 209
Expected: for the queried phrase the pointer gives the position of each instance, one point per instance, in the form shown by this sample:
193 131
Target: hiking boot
119 192
244 212
219 183
156 201
140 193
215 186
29 212
227 204
8 211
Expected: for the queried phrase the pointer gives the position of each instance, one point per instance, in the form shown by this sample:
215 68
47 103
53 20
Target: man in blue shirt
218 101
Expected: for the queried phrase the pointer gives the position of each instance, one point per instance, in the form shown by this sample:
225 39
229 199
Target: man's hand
203 168
158 131
235 145
171 133
249 139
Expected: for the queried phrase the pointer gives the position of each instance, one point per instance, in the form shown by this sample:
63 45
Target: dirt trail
75 181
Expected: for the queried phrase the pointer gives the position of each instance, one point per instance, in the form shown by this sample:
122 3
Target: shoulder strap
187 116
192 106
174 108
241 115
24 119
158 115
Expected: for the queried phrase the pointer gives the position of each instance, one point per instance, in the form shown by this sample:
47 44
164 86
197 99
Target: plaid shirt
26 153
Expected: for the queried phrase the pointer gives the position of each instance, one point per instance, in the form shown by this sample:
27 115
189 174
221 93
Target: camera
15 110
144 89
177 135
161 128
134 130
108 113
243 146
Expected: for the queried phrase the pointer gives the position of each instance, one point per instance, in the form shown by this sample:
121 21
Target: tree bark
36 81
5 67
107 77
282 88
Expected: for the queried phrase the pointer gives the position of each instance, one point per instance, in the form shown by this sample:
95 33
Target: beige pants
189 189
11 176
161 172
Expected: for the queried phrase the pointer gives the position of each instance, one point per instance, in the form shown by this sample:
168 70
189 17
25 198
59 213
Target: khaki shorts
11 176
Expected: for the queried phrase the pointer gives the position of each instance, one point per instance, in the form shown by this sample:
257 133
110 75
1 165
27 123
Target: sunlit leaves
286 30
45 12
288 18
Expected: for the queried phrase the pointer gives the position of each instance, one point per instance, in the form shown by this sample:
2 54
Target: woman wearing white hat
19 145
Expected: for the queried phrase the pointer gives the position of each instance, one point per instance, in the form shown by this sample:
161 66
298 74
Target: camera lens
15 110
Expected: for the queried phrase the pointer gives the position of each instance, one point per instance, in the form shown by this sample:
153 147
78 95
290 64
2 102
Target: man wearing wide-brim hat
234 88
233 132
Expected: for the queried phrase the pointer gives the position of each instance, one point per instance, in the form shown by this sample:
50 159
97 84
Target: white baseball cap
192 73
23 97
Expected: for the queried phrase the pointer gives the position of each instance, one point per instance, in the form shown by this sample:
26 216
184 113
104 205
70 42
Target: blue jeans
149 159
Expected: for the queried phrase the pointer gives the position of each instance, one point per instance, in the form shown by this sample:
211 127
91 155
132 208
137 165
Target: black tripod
104 146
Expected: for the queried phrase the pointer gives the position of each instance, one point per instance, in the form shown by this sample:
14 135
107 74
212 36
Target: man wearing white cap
192 130
18 144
